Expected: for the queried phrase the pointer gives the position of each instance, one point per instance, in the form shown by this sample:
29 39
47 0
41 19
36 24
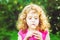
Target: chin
34 27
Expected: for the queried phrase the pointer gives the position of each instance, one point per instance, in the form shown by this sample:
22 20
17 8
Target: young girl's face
32 19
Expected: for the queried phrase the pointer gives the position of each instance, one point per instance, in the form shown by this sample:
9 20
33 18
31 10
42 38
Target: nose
33 20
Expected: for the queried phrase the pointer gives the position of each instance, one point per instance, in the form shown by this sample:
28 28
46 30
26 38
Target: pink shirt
23 34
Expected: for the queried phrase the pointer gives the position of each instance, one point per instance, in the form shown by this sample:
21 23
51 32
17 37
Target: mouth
33 24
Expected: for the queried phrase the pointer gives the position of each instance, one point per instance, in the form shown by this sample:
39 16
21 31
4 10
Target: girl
33 24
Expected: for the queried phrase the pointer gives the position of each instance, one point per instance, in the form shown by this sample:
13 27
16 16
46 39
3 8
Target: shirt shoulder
22 32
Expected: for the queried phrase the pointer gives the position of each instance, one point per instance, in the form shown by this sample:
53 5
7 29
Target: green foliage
55 36
9 35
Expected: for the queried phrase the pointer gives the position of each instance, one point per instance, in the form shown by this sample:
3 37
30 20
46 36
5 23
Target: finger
29 34
37 32
37 35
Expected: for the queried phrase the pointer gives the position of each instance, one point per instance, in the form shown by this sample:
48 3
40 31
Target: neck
30 29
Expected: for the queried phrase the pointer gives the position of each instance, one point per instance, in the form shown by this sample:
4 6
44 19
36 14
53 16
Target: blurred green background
9 10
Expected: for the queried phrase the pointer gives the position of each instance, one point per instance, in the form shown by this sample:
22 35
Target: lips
33 24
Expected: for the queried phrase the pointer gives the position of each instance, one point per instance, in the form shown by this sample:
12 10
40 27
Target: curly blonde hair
43 21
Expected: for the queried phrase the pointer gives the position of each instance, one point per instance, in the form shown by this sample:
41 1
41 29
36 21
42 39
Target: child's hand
37 35
29 34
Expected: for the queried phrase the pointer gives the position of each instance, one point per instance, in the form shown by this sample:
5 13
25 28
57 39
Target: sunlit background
9 10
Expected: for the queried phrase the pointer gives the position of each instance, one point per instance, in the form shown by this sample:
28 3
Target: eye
36 18
30 18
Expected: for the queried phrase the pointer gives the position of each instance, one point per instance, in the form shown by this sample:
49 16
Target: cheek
37 22
28 22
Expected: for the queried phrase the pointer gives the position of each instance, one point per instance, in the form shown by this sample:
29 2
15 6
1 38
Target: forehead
32 13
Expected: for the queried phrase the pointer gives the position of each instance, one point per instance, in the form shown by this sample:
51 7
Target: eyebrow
29 16
35 16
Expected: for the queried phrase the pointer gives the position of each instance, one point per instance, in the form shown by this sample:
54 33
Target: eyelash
35 18
31 18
